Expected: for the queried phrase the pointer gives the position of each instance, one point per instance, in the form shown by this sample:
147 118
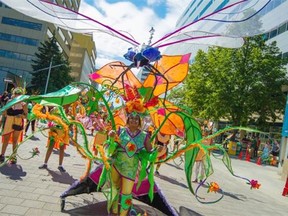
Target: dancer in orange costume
13 126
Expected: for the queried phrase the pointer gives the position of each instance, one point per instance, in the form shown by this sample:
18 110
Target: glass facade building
277 24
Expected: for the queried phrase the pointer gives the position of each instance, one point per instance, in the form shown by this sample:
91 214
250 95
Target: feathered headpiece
18 90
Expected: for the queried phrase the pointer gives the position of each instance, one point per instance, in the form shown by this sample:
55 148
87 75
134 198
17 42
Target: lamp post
49 72
48 76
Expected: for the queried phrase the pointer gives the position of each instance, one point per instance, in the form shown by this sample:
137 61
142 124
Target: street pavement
27 190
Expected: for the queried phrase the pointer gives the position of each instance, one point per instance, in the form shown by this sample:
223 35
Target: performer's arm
147 144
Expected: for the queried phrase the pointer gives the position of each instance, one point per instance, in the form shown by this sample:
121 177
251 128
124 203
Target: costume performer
58 139
162 140
125 163
13 126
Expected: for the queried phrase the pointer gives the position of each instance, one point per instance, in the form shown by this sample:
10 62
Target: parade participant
58 139
162 140
101 127
13 126
125 162
30 119
199 166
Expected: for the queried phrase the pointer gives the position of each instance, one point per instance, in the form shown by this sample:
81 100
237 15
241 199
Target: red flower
128 202
254 184
35 151
152 102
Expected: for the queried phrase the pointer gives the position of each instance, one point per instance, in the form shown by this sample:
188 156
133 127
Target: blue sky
135 17
158 6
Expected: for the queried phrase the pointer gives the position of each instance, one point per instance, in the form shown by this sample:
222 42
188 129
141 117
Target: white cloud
154 2
125 16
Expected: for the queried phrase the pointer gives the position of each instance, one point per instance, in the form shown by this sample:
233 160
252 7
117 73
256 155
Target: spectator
253 147
258 143
275 150
4 98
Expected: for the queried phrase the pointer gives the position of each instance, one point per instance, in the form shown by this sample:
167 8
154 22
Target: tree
242 85
59 75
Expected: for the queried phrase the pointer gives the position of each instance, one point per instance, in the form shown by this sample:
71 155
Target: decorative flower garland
56 119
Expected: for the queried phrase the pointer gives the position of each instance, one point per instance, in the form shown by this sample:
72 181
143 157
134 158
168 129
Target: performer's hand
112 133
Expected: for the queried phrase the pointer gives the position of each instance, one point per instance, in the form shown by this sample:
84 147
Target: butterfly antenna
152 30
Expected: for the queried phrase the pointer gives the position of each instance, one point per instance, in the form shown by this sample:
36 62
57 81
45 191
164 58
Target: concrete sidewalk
27 190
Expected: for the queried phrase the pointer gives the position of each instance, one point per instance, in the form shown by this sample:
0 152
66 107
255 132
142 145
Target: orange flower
135 105
131 147
213 187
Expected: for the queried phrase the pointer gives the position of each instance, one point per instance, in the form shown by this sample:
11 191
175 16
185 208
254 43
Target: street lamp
48 76
49 72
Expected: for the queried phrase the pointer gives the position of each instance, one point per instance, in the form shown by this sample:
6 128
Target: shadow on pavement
56 151
235 196
100 209
171 180
173 165
188 212
13 171
232 195
34 138
61 177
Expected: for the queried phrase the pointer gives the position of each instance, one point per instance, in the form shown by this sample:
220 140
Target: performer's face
134 121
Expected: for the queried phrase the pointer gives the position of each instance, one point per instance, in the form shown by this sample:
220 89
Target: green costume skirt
126 166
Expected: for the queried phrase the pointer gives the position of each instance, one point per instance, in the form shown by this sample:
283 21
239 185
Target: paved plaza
27 190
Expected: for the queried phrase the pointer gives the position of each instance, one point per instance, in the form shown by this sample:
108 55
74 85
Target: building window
60 48
282 28
18 39
15 55
14 71
61 34
285 55
21 23
49 33
273 34
70 35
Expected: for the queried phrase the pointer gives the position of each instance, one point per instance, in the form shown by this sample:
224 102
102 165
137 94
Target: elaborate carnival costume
125 163
166 73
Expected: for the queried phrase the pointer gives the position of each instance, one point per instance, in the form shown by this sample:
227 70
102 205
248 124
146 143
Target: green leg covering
125 202
115 201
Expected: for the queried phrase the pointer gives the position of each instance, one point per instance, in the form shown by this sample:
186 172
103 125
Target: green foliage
242 85
59 75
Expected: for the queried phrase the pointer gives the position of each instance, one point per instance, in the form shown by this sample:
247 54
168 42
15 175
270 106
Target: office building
20 37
